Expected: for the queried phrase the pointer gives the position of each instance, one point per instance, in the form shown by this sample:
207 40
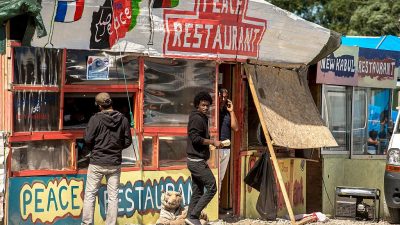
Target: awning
287 108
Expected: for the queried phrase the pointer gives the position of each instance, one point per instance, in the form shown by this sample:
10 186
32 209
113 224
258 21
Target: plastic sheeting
170 87
37 66
77 67
36 111
35 155
13 8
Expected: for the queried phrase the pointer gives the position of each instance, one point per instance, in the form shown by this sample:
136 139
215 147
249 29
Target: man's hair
103 99
223 90
202 96
373 134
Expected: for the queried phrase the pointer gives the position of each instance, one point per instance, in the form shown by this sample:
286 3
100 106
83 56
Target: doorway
228 79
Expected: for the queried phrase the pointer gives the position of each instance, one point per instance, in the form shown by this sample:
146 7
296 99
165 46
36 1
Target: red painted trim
172 168
128 168
38 136
140 101
15 44
27 173
216 92
19 87
156 150
11 118
100 88
240 88
166 131
63 72
154 159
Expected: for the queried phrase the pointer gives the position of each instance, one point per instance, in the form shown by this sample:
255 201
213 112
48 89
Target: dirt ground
237 221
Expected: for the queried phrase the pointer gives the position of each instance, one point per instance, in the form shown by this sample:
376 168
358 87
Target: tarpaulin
13 8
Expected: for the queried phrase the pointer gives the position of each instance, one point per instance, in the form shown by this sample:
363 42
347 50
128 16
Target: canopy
387 42
287 108
235 30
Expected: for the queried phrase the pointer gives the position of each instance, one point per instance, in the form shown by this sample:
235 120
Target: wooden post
271 151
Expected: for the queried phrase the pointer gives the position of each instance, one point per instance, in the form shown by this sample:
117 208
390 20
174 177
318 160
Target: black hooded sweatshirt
107 134
197 132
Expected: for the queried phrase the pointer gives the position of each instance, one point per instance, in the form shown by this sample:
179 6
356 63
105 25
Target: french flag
69 11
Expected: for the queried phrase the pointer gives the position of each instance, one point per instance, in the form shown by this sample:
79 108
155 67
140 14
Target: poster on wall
97 68
233 30
362 67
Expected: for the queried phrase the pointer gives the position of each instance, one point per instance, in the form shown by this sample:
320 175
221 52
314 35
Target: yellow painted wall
296 190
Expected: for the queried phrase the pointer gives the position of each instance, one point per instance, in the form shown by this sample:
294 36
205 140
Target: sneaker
191 221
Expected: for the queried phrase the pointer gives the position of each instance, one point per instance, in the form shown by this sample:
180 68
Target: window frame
350 114
162 131
139 130
368 99
71 135
324 150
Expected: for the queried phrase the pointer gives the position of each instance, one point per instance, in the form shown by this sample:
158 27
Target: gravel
238 221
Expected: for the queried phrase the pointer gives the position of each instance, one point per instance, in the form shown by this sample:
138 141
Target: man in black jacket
198 153
107 134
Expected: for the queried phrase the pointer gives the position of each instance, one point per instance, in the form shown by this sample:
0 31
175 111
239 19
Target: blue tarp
387 42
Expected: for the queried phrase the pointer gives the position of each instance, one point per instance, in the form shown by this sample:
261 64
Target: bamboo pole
271 151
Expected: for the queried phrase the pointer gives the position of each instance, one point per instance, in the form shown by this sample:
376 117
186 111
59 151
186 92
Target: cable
135 140
49 39
330 202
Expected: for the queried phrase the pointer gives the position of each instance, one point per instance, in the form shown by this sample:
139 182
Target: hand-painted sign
59 200
210 29
236 34
144 197
362 67
378 68
44 202
339 67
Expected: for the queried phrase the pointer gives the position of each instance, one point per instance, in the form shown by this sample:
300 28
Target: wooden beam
271 150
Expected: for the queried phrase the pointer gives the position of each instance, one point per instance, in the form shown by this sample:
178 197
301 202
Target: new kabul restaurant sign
363 67
209 29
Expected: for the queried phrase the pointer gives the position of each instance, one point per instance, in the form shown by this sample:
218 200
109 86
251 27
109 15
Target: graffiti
45 202
144 197
235 33
376 68
342 66
298 197
111 23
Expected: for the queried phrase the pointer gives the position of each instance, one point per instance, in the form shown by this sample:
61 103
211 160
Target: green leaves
349 17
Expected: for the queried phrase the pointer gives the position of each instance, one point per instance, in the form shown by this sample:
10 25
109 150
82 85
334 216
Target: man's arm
195 130
90 133
234 122
127 134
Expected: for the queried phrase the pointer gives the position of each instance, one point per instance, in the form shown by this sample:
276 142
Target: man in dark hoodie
107 134
198 153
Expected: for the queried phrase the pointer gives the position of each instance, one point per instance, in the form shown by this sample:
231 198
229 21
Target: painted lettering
46 201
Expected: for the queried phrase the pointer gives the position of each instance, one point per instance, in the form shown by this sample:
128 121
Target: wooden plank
291 181
271 151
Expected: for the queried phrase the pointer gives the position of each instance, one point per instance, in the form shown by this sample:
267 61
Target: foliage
349 17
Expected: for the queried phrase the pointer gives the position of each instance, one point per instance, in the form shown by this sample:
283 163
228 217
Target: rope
135 139
49 39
